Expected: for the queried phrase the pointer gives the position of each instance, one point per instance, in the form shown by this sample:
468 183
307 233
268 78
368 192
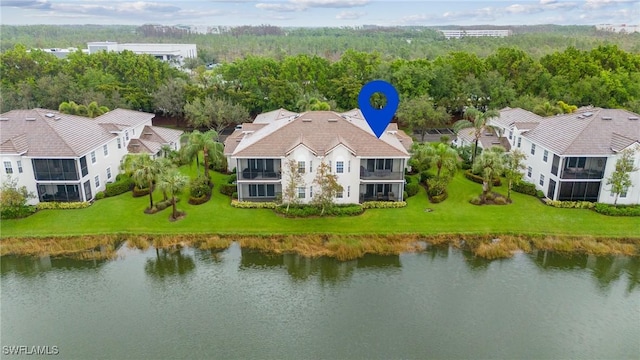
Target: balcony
589 168
381 169
255 174
383 174
259 169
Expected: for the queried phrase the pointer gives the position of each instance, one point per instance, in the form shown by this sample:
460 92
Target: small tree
327 187
144 171
173 182
477 120
513 168
489 164
294 181
620 179
13 199
443 157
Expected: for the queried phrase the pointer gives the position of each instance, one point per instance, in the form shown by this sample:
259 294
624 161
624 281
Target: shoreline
340 246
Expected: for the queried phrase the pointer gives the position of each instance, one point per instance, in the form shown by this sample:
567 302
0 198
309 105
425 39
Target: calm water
243 305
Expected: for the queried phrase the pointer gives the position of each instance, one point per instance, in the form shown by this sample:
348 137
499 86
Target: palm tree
490 164
443 157
477 120
546 109
205 142
173 182
144 171
513 168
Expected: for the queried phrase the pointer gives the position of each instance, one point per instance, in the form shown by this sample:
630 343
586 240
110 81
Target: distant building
457 34
165 52
624 28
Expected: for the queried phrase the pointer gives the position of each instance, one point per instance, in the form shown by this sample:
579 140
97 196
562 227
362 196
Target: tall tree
443 157
513 168
479 121
214 113
205 142
327 187
420 114
170 98
620 179
144 171
490 164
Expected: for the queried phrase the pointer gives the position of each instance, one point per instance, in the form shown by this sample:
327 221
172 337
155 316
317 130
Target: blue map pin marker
378 119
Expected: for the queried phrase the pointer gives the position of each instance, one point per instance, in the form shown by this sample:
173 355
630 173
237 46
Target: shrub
539 194
409 179
383 204
439 198
200 188
234 195
344 210
309 210
500 200
228 189
199 200
405 195
119 187
232 178
524 187
436 187
100 195
425 175
570 204
56 205
412 189
476 200
16 212
253 205
140 192
478 179
617 210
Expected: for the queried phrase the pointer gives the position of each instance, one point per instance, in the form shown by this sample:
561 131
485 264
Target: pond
239 304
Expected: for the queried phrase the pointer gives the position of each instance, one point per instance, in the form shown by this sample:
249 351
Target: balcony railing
380 175
577 173
255 174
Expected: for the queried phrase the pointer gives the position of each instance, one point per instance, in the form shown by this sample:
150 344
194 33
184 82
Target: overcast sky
320 12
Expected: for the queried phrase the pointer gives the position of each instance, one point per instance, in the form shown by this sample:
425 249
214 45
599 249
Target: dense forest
543 69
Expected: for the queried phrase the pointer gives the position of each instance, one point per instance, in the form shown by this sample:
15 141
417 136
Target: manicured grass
527 215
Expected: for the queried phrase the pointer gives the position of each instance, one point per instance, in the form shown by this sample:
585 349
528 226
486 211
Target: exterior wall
349 178
633 193
537 164
26 178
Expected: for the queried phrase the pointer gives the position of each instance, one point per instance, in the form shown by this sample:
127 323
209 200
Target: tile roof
124 117
137 146
49 133
160 135
594 131
320 131
508 117
271 116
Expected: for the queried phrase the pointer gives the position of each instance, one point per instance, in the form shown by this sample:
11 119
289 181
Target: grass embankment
524 225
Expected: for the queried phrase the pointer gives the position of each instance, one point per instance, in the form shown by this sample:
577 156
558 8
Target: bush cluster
58 205
232 179
524 187
383 204
310 210
436 187
439 198
478 179
161 205
140 192
200 187
570 204
412 189
253 205
17 212
100 195
121 186
199 200
619 210
228 189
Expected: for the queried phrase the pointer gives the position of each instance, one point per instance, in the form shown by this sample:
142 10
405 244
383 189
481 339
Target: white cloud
350 15
597 4
279 7
302 5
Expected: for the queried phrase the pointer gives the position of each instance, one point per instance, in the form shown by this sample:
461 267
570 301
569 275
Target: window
119 143
20 166
93 157
624 192
83 166
541 180
510 134
105 150
87 190
133 132
339 167
56 169
519 141
545 156
301 167
262 190
7 167
126 135
108 173
311 166
97 180
310 191
301 193
529 171
349 166
340 194
349 191
533 149
330 167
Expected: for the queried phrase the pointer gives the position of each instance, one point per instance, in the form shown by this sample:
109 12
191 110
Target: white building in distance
457 34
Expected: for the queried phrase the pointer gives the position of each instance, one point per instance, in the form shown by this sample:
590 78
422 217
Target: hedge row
253 205
570 204
439 198
412 189
58 205
228 189
619 210
140 192
383 204
118 187
310 210
478 179
17 212
524 187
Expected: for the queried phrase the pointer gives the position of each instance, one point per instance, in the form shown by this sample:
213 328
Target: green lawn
527 215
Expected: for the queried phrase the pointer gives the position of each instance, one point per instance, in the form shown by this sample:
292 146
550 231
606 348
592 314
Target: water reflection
169 263
606 270
28 266
327 270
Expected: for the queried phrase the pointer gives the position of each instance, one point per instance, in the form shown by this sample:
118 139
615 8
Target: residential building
367 167
166 52
62 157
571 156
457 34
